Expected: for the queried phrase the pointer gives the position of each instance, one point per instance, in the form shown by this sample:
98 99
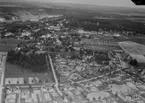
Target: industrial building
135 50
98 44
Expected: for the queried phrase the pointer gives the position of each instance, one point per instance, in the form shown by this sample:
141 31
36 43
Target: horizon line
119 6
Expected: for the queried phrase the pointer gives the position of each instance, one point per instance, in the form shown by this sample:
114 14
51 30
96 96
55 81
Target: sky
99 2
127 3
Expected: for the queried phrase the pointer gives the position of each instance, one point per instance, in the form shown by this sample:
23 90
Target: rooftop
99 42
132 47
135 50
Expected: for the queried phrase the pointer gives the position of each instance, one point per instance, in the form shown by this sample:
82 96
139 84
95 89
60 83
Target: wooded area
33 62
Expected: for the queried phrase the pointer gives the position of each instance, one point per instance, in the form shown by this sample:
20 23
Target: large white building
135 50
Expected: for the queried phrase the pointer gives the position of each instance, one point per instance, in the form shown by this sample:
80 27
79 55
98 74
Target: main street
54 74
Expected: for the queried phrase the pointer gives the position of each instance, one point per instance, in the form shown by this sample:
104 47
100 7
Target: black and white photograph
72 51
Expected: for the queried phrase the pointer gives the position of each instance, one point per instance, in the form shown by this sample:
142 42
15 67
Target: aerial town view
71 52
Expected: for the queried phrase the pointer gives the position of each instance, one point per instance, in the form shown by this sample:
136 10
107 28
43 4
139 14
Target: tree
46 81
25 82
40 81
30 89
99 98
94 99
116 94
134 62
33 62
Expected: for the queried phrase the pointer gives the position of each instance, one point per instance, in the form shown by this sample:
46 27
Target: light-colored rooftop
132 47
135 50
97 95
98 42
139 58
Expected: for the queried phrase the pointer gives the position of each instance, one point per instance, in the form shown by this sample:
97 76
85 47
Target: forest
33 62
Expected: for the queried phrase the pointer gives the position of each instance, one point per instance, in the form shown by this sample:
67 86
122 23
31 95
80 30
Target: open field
6 47
14 71
8 44
10 41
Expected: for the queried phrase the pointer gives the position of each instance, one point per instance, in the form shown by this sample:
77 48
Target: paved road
2 75
54 75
